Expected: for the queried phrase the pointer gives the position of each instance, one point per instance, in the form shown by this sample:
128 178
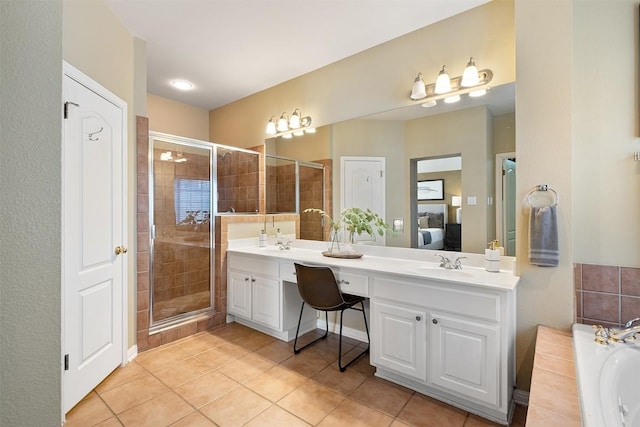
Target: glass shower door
181 238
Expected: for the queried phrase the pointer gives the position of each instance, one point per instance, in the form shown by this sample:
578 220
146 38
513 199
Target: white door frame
500 157
75 74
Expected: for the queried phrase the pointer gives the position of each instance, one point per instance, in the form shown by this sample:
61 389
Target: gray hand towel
543 237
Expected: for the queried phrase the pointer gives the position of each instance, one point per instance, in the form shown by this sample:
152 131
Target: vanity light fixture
287 127
472 82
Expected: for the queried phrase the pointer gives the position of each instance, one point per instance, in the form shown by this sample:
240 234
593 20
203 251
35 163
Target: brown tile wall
238 175
606 295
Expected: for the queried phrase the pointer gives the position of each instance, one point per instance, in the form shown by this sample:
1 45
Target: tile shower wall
237 182
607 295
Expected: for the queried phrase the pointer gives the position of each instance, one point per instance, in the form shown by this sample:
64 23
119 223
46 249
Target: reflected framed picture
432 189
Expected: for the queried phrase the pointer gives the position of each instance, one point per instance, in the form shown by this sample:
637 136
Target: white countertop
410 263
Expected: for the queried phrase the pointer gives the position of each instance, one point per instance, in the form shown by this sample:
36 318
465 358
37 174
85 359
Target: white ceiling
230 49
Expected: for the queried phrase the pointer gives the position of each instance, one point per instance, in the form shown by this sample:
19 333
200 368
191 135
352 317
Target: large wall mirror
479 130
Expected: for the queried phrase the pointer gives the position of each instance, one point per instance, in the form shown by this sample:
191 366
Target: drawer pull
343 282
435 321
418 318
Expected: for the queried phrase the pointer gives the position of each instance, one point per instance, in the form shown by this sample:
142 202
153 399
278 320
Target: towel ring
543 188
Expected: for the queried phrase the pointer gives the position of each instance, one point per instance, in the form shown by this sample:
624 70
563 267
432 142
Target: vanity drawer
288 272
463 300
352 283
254 265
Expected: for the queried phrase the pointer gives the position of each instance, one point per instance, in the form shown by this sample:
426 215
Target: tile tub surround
553 399
606 295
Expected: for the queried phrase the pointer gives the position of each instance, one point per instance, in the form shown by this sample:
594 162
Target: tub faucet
626 334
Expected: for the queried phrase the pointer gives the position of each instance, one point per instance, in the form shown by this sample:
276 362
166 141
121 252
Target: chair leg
359 355
295 342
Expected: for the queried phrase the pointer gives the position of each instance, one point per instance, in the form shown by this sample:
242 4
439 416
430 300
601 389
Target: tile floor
235 376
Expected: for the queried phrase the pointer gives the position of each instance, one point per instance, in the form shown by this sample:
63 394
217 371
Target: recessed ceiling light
182 84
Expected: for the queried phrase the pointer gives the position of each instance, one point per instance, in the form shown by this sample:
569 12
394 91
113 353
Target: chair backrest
318 287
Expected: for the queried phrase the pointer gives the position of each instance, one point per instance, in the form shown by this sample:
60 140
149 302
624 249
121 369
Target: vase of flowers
353 221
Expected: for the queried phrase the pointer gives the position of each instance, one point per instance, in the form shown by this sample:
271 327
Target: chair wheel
296 351
343 369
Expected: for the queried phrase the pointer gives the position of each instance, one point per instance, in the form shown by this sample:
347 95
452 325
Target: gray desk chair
319 290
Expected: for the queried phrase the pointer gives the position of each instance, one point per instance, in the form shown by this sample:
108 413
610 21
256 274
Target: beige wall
30 222
95 42
378 79
504 133
605 178
177 118
544 126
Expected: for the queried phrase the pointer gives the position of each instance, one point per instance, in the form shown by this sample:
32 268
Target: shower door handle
120 250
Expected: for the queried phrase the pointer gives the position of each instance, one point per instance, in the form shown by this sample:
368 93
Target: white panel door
265 304
363 186
464 357
398 339
239 299
94 230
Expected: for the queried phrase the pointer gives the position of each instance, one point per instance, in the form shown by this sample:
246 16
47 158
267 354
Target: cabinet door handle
246 279
418 318
343 282
253 280
434 321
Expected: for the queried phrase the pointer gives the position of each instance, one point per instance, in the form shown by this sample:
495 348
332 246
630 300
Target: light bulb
418 91
287 136
470 75
452 99
271 127
294 121
283 124
443 82
477 93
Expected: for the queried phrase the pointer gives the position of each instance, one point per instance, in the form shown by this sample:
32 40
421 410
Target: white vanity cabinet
254 290
450 341
448 334
262 294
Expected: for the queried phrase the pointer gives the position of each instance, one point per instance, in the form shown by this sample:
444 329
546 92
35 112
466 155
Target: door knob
121 250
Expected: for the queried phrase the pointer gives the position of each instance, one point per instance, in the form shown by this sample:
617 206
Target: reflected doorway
506 201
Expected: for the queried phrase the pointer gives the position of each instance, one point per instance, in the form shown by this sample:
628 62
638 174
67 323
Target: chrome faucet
283 246
457 264
626 334
449 265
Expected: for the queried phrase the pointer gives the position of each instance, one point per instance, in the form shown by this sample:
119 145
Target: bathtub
608 380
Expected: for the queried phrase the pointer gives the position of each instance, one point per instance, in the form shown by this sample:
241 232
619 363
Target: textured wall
30 225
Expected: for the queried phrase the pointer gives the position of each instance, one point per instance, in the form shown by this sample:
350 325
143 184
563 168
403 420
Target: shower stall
191 181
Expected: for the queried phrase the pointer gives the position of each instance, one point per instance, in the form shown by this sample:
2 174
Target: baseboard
521 397
132 353
346 331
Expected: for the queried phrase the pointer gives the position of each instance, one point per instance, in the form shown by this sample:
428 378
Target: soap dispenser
492 257
262 239
278 234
